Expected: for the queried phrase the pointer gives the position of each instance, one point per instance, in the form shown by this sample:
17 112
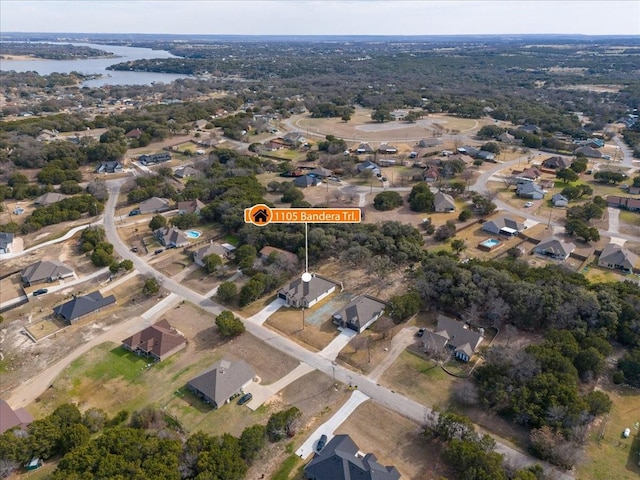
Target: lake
98 66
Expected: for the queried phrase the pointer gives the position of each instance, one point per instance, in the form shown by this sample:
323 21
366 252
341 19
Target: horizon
378 18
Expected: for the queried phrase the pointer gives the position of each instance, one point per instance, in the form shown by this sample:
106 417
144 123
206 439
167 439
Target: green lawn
117 362
631 218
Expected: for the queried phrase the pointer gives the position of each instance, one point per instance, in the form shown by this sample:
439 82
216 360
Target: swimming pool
489 244
193 233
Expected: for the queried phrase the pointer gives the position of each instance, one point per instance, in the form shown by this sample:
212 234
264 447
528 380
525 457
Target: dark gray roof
223 379
502 222
616 255
554 246
340 460
462 339
305 181
49 198
321 172
442 200
154 204
81 306
298 290
6 239
171 237
360 310
45 270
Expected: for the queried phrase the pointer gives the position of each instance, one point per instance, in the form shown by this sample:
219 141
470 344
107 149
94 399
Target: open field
608 454
289 322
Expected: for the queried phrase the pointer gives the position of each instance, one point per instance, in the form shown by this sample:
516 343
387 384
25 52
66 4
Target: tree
252 440
227 291
158 221
389 200
483 204
421 198
229 325
381 115
252 290
446 231
458 245
292 194
346 115
598 403
402 307
101 258
452 426
150 287
126 265
605 176
629 365
184 221
283 424
465 214
579 165
567 175
492 147
245 255
312 156
212 263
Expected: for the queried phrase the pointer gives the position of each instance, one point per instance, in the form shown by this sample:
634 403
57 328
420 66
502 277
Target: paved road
627 153
380 394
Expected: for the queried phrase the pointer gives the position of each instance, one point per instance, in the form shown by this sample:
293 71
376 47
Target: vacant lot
289 321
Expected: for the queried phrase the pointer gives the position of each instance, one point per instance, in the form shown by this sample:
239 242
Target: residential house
532 173
429 142
626 203
387 149
110 167
359 313
154 205
171 237
159 341
364 148
554 248
530 128
45 271
556 163
454 335
460 156
559 200
633 190
47 135
443 203
6 242
224 250
305 181
223 380
301 294
185 172
398 114
503 226
273 146
486 156
431 174
10 418
468 150
190 206
321 172
530 190
506 137
49 199
546 183
154 159
615 257
200 124
267 251
368 165
341 459
294 139
78 307
134 134
588 152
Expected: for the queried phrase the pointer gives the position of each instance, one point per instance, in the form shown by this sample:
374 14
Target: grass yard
608 454
289 322
419 379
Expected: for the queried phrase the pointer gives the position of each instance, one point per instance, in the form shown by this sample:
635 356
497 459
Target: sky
326 17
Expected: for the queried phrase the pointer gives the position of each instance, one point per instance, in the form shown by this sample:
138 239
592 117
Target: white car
626 433
528 204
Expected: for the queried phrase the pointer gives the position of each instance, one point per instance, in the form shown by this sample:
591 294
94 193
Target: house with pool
503 226
171 237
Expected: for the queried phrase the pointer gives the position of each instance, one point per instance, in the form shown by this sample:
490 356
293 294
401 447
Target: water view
98 66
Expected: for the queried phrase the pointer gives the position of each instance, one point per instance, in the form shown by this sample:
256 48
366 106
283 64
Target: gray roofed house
530 127
455 335
588 152
294 138
364 148
530 190
443 203
487 156
10 418
6 242
74 309
154 158
305 181
615 257
468 150
559 200
554 248
430 174
188 171
506 137
321 172
158 341
224 379
341 459
222 250
45 271
503 225
359 313
368 165
429 142
110 167
556 163
387 149
301 294
190 206
49 199
154 205
171 237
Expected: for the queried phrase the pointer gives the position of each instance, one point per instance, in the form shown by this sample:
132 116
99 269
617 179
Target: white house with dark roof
503 226
171 237
224 379
615 257
360 313
559 200
453 335
443 202
224 250
154 205
80 306
301 294
530 190
554 248
45 271
190 206
364 148
6 242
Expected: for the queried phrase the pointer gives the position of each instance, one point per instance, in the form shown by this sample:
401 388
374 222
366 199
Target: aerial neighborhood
478 318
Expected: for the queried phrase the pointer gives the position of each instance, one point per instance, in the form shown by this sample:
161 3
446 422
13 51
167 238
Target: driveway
399 343
262 393
331 351
330 426
261 317
614 220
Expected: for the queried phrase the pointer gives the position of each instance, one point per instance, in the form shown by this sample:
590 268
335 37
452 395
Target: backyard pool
193 233
489 244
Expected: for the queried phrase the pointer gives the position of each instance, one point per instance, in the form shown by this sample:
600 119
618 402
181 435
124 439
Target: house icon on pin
261 216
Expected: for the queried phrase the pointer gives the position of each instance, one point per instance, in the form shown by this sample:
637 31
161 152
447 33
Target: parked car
134 249
245 398
420 332
40 291
160 250
626 433
134 212
528 204
321 443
